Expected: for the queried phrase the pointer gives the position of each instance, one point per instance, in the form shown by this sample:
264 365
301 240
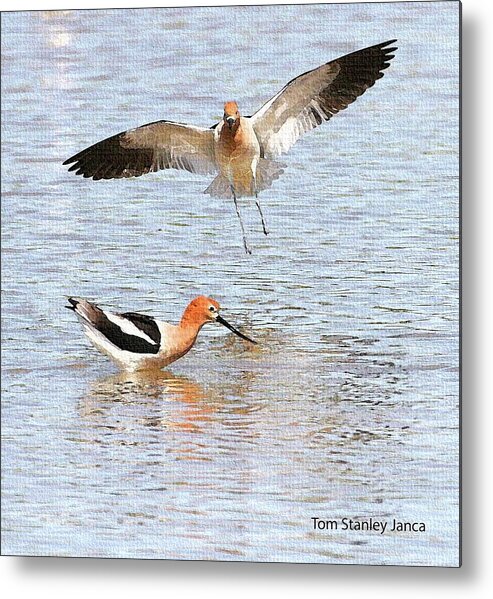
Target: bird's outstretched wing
149 148
314 97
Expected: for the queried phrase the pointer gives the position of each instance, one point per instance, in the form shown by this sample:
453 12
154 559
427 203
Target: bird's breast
176 342
237 144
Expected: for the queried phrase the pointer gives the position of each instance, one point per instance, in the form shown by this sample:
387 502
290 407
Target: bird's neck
187 332
190 323
228 132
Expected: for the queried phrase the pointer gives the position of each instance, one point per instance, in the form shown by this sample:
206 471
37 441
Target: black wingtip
385 46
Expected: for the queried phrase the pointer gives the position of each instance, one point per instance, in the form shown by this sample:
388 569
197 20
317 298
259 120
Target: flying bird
241 151
139 342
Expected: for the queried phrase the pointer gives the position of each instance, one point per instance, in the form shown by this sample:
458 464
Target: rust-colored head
201 310
231 114
204 309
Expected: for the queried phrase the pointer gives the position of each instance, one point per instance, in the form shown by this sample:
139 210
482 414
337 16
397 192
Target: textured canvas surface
335 439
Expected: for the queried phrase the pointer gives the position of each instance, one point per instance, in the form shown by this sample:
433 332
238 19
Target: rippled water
349 404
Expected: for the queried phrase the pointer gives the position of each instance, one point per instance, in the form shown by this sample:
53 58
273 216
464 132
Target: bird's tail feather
220 188
88 312
267 172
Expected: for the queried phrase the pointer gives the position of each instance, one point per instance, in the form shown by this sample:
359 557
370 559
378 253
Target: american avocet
241 149
139 342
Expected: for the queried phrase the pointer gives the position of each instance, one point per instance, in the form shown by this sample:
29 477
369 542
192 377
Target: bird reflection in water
155 395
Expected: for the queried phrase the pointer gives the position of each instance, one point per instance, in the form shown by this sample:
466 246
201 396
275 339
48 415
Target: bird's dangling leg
247 249
264 226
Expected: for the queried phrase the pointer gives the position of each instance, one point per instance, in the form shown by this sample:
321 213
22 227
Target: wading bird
240 150
139 342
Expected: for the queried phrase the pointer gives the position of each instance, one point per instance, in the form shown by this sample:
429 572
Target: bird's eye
212 309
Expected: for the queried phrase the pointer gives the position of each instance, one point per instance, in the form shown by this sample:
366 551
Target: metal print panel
268 371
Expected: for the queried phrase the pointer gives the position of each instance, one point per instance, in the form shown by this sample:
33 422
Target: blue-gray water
349 404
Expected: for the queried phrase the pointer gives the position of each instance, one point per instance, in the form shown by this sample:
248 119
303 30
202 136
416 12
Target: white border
61 578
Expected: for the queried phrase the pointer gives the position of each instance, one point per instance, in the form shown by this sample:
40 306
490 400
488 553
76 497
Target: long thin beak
226 324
